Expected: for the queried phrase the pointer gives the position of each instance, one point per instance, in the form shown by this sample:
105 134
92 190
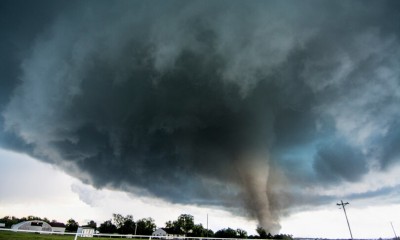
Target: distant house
86 231
166 233
58 227
159 232
35 225
2 225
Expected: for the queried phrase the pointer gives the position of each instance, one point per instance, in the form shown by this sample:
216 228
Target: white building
58 227
159 232
85 231
164 233
35 225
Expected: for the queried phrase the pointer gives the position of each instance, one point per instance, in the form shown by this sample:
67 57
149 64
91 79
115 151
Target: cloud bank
252 106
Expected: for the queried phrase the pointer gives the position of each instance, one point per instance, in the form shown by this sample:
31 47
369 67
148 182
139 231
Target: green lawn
7 235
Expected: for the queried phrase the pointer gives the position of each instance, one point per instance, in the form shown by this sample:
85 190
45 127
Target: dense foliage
184 226
71 225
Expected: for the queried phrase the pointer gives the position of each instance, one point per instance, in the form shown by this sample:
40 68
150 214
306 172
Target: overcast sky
266 112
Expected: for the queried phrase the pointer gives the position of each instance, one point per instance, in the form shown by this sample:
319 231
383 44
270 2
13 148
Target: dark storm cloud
236 104
390 194
332 165
21 22
390 150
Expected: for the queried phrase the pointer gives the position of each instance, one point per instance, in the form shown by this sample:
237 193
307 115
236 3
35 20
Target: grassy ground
6 235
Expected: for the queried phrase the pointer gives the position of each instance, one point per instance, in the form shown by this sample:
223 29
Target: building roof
18 225
57 224
171 230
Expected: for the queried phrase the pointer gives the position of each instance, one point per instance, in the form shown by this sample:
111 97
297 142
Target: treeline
120 224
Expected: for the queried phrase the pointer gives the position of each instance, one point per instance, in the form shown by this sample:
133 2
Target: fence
78 235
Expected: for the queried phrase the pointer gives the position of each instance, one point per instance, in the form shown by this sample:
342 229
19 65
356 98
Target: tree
185 223
92 224
31 218
209 233
9 221
118 220
199 231
145 226
125 225
226 233
128 227
283 236
263 234
169 224
71 226
107 227
241 233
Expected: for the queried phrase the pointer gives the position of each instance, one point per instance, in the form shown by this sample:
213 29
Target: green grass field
7 235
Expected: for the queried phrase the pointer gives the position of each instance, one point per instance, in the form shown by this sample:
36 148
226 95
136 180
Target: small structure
58 227
159 232
85 231
35 225
2 225
166 233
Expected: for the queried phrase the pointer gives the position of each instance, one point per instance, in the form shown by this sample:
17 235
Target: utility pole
345 214
135 227
207 226
393 231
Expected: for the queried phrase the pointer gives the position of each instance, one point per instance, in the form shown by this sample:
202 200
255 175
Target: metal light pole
135 228
393 231
207 226
344 209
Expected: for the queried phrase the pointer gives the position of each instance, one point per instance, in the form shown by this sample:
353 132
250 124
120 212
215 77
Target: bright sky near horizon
30 187
255 113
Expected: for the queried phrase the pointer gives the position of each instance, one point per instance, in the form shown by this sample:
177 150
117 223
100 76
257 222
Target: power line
345 214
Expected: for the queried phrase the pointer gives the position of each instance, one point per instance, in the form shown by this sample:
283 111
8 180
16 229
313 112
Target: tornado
254 174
